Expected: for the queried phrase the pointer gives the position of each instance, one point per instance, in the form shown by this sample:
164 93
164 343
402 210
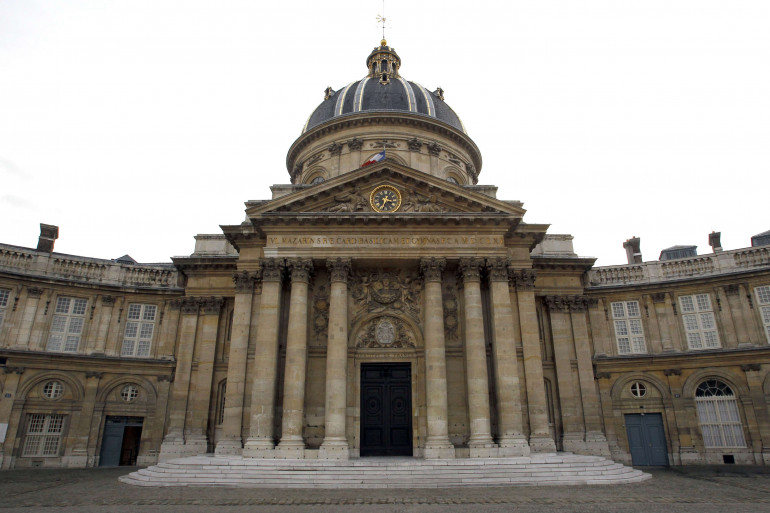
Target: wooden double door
646 439
386 409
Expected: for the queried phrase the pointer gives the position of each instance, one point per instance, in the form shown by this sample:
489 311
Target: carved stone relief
382 290
320 312
451 316
349 203
385 332
355 144
415 202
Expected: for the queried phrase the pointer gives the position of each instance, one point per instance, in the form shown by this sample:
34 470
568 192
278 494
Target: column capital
524 278
339 268
244 281
189 305
211 305
567 303
300 269
498 268
470 268
431 268
272 268
34 292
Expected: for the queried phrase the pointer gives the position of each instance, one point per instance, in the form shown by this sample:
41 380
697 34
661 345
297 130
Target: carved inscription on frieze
439 240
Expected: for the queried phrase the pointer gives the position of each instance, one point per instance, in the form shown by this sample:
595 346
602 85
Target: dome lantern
383 63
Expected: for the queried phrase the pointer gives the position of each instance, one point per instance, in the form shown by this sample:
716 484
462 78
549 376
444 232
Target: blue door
646 439
120 444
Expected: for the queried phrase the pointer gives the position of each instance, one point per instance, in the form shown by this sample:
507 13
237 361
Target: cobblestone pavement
701 490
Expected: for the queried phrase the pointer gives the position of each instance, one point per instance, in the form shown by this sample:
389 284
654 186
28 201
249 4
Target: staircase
402 472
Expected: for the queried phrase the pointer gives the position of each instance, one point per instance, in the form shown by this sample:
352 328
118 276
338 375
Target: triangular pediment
350 194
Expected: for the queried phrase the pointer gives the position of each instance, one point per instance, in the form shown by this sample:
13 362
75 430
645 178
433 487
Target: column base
597 445
259 448
482 449
229 447
334 450
573 442
175 448
514 445
442 450
290 450
541 442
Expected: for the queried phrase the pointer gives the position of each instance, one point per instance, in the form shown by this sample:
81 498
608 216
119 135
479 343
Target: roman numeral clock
385 199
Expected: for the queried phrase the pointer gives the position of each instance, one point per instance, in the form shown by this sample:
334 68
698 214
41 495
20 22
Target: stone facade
274 339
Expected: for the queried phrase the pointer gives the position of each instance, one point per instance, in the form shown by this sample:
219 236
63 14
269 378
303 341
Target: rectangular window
43 435
140 325
699 324
5 294
763 298
720 421
67 324
628 327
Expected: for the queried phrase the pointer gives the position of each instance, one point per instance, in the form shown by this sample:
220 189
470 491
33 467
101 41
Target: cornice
384 118
682 360
42 360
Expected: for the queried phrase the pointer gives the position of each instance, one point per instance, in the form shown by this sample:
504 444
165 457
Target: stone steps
541 469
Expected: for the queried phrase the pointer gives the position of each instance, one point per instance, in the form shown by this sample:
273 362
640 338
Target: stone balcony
723 262
93 271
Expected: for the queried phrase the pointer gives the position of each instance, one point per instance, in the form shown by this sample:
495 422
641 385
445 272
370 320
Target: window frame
637 342
5 297
711 410
698 314
762 294
137 346
39 440
71 318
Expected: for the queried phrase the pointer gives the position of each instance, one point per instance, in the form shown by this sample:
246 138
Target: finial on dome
383 42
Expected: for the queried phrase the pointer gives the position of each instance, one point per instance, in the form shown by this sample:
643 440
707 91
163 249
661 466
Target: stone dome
383 90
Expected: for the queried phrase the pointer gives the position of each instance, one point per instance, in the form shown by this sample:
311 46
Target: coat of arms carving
385 332
382 290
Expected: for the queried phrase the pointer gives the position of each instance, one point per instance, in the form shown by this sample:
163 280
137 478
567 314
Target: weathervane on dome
382 19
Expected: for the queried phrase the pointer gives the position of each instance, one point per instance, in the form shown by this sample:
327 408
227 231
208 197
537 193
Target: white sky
134 125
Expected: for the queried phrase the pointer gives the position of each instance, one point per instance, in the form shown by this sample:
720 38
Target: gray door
646 439
120 444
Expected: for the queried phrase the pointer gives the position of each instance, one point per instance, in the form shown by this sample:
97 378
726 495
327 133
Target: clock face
385 198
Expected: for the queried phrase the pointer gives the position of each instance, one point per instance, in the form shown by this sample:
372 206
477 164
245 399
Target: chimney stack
48 235
715 241
633 253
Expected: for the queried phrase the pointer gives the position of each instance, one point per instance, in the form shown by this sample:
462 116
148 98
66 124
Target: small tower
383 63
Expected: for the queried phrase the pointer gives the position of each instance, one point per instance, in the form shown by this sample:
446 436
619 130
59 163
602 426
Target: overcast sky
134 125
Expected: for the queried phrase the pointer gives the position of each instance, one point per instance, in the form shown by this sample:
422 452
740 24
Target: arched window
720 420
317 179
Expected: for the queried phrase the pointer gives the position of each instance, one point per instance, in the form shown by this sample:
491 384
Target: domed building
383 303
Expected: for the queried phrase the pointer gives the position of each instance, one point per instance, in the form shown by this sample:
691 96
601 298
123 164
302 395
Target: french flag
375 158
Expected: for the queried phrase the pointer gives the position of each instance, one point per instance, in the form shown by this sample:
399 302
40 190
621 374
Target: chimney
633 253
715 242
48 235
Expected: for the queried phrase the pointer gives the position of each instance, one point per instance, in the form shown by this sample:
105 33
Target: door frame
413 390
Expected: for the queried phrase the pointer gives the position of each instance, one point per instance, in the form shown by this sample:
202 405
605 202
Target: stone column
10 386
480 441
437 445
540 439
197 430
292 444
335 444
105 317
573 436
510 438
754 377
173 443
27 319
261 441
81 426
596 442
235 392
